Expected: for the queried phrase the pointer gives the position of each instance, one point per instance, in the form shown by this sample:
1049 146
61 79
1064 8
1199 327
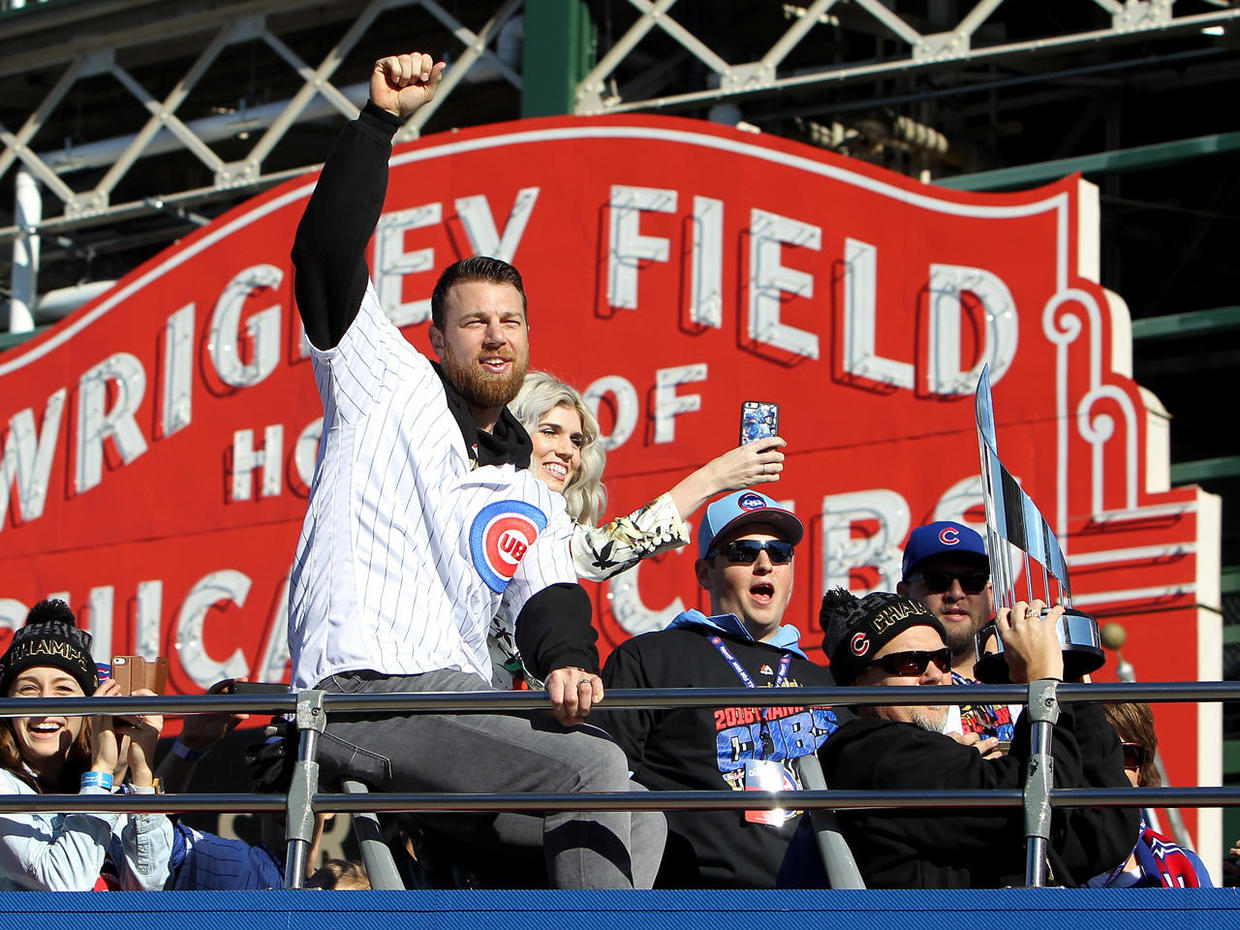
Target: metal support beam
557 55
1039 775
1193 323
921 52
1231 581
1227 466
1134 159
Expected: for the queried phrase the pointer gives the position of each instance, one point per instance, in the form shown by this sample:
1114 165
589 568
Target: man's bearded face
484 344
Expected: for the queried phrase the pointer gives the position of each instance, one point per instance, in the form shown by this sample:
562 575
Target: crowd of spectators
454 508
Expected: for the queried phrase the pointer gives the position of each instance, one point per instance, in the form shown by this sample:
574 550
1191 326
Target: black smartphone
256 687
759 420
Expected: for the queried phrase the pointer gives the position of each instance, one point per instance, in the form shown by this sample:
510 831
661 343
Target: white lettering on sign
861 320
27 459
963 496
12 613
956 292
225 585
100 603
263 328
883 511
628 247
668 404
245 459
948 285
392 263
306 450
626 408
770 279
630 611
479 223
95 425
273 664
178 410
706 258
146 635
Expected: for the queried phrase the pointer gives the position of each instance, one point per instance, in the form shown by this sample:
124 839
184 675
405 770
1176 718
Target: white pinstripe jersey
407 552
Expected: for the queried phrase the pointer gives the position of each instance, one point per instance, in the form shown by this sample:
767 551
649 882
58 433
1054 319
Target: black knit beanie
856 629
50 637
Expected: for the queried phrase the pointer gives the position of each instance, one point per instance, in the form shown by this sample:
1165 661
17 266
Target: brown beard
481 388
961 643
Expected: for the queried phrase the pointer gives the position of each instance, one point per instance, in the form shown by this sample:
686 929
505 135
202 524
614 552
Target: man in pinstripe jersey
424 523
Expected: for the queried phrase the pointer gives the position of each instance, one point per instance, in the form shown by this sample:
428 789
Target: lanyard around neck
780 677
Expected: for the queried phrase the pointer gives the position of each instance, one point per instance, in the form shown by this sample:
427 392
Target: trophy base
1078 634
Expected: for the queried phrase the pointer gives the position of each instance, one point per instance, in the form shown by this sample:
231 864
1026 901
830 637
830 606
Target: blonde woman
568 457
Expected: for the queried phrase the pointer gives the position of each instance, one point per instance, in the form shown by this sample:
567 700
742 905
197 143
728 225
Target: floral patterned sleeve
599 552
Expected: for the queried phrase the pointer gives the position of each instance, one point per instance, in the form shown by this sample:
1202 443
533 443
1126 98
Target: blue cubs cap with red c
741 507
943 538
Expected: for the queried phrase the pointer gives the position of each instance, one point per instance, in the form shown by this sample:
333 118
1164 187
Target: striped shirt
408 551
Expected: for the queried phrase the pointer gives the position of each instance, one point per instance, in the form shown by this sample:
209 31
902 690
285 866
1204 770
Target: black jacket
705 748
978 847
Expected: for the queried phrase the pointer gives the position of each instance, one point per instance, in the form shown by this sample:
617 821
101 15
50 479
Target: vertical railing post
1043 712
299 829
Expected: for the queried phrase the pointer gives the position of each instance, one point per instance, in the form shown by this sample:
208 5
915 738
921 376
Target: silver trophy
1016 534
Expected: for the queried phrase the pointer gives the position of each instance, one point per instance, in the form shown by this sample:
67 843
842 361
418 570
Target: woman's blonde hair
540 392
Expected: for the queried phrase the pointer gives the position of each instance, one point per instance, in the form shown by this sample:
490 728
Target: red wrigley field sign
159 444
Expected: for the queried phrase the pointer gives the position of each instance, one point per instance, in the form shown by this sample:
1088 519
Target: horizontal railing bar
1149 691
140 803
626 801
474 803
168 705
626 699
1147 797
662 800
631 699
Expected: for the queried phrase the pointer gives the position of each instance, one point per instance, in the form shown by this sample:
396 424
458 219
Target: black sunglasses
745 551
915 662
1134 755
938 581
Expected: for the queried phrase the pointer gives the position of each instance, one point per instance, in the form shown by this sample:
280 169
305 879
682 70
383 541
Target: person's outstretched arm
600 552
329 250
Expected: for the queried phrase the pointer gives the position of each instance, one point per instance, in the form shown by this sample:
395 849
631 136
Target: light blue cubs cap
741 507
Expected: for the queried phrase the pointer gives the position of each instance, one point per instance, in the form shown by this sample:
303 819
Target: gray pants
494 753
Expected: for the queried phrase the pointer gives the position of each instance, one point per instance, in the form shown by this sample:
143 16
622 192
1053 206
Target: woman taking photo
568 457
59 754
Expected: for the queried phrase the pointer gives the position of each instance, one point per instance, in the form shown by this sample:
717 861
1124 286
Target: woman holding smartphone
568 457
50 657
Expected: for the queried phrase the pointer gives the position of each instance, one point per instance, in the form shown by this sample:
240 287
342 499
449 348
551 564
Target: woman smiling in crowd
50 658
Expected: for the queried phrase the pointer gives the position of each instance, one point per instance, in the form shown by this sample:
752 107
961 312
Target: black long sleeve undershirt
329 250
554 631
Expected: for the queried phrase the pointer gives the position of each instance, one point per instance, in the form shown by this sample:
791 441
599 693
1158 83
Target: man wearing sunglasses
746 544
886 640
947 569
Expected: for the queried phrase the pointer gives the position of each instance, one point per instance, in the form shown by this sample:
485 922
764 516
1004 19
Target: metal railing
311 710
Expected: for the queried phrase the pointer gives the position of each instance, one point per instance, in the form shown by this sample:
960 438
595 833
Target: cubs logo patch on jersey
499 537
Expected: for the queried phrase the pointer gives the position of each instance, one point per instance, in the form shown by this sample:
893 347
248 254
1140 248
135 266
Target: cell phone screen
759 419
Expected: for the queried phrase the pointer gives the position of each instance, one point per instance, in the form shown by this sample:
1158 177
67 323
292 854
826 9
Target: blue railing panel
1009 909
